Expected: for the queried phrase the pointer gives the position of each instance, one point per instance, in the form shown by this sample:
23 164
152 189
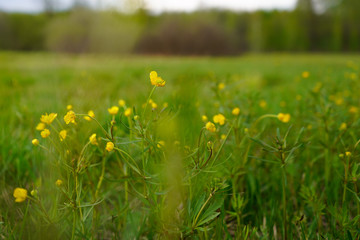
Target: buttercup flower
343 126
305 74
113 110
69 107
235 111
121 103
153 105
160 144
210 127
284 117
204 118
91 115
353 109
69 117
221 86
156 80
20 194
127 112
35 142
45 133
48 119
41 126
348 154
109 146
219 118
58 182
93 139
136 117
62 135
263 104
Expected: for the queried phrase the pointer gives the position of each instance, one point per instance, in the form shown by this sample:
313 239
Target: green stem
147 102
284 202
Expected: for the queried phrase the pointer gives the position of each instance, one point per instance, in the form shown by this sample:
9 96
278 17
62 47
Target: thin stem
147 102
284 202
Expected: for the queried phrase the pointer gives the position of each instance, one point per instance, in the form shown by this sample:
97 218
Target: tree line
329 26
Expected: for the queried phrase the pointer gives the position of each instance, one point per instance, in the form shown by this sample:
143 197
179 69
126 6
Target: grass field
171 173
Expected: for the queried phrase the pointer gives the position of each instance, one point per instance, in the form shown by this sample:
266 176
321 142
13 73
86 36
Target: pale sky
155 6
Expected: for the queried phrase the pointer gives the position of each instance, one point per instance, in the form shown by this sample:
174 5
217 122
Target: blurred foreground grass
228 188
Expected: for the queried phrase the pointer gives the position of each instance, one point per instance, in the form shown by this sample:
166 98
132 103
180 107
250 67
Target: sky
156 6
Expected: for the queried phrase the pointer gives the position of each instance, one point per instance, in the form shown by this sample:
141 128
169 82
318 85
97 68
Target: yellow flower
339 101
219 118
41 126
153 105
235 111
210 127
305 74
45 133
341 155
221 86
91 114
20 194
34 193
348 154
59 182
62 135
93 139
160 144
136 117
113 110
69 107
156 80
109 146
35 142
48 119
284 117
204 118
69 117
353 109
223 136
128 112
122 103
263 104
343 126
246 130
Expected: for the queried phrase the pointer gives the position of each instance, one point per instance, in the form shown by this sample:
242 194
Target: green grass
254 178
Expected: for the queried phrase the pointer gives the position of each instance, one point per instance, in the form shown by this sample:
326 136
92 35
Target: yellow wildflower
210 127
353 109
69 107
305 74
109 146
113 110
153 105
348 154
91 114
34 193
93 139
160 144
343 126
128 112
122 103
223 136
221 86
41 126
219 118
284 117
48 119
341 155
69 117
136 117
20 194
263 104
156 80
58 182
62 135
35 142
204 118
235 111
45 133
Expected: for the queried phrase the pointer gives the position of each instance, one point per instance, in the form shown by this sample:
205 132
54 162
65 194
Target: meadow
249 147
